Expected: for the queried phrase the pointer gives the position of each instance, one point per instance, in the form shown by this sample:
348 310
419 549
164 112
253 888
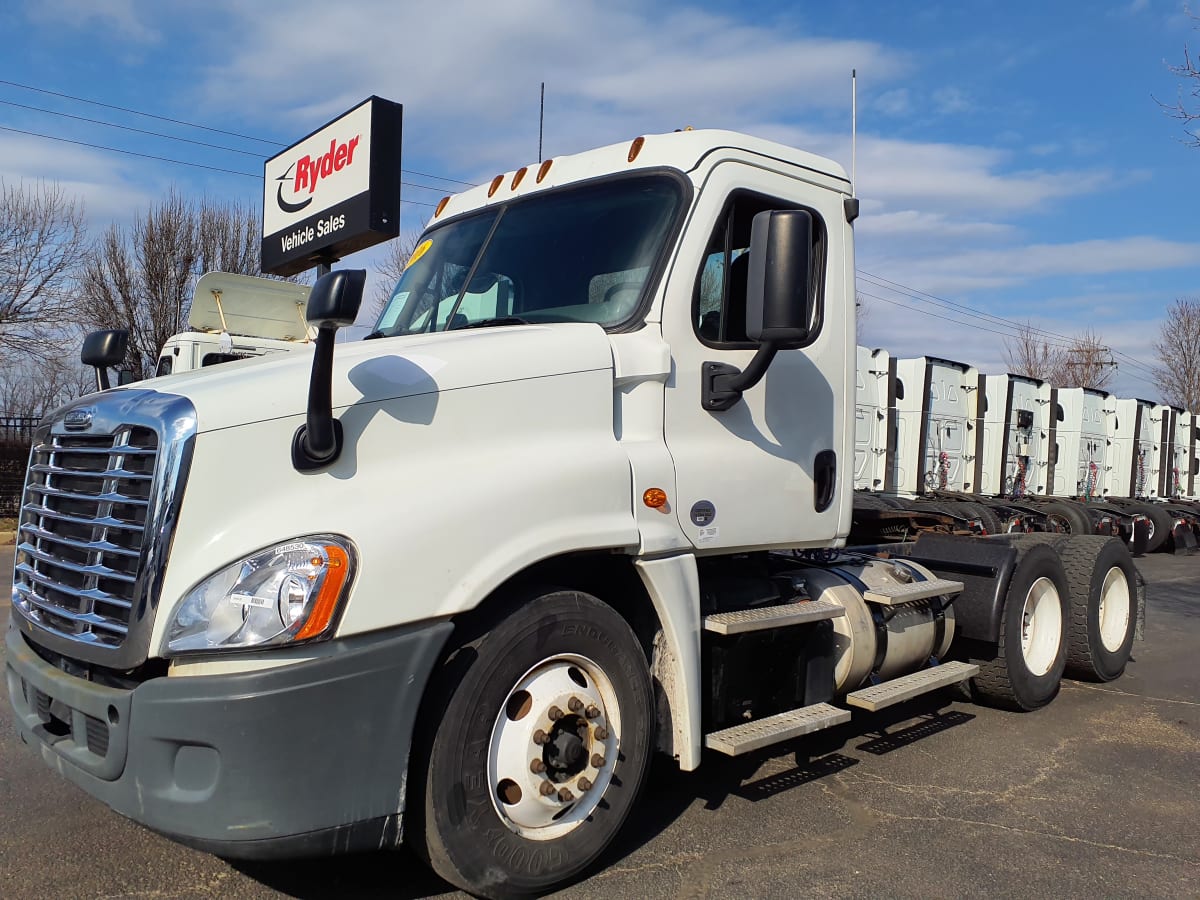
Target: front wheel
538 736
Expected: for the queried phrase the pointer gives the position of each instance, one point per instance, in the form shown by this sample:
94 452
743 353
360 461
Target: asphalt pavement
1095 796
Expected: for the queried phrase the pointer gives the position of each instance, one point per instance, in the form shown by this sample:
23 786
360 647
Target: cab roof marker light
495 186
441 206
635 148
517 176
544 170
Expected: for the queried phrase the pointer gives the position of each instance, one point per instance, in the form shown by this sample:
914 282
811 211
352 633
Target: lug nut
546 788
565 795
537 767
598 761
584 785
575 704
540 737
592 712
555 714
601 733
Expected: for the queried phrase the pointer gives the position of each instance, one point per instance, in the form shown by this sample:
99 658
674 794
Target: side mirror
779 298
335 298
102 349
332 303
780 302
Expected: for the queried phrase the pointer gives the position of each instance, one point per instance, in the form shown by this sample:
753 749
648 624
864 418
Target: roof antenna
541 120
853 129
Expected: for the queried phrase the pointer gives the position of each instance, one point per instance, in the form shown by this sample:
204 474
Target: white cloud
469 74
121 16
894 103
951 101
111 189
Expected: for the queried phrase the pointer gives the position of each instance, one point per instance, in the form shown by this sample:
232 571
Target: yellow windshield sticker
421 250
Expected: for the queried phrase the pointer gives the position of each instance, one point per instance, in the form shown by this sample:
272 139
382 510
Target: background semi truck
230 317
584 496
1002 453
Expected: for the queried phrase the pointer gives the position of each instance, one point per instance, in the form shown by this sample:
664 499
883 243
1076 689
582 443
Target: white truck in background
584 496
231 317
1010 453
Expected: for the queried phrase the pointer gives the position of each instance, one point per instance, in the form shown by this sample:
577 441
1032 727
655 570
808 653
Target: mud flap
1141 536
1183 539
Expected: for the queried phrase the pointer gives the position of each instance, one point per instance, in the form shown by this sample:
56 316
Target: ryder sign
334 192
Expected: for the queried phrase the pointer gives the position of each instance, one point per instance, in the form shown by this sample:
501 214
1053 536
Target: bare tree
142 277
1186 107
388 270
36 385
1030 354
1086 362
42 239
1178 350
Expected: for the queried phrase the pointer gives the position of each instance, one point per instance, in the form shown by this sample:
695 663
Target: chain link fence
16 436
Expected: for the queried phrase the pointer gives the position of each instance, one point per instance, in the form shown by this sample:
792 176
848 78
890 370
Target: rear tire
1103 584
555 697
1028 665
1073 518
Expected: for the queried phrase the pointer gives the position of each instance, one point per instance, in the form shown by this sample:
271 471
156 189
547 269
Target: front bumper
303 759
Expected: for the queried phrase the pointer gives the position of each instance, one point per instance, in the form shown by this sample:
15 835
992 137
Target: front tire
1027 669
538 736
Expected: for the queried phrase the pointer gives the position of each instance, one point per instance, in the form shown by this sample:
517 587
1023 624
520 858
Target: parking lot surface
1098 795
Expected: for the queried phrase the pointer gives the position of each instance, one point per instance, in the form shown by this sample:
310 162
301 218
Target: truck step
779 616
895 594
773 729
900 689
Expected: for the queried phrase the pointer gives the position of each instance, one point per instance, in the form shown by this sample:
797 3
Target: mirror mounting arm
723 384
318 442
332 303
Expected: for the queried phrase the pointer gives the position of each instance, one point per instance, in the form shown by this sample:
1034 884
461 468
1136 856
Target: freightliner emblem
79 419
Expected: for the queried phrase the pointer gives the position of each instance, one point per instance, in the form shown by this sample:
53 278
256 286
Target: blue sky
1011 156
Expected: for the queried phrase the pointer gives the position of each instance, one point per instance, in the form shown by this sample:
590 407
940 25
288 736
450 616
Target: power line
1050 337
925 312
178 162
169 137
138 112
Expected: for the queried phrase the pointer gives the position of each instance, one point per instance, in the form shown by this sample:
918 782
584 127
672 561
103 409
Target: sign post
335 191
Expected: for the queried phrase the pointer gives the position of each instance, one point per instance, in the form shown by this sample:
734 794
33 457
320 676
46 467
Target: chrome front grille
102 497
82 529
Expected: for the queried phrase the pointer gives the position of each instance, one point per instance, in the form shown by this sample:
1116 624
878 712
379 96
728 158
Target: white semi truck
1006 453
231 317
583 497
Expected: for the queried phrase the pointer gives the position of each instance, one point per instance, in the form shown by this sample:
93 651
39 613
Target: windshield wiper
498 320
378 333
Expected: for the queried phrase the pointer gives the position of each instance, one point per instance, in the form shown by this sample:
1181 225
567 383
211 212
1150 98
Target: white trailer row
1041 457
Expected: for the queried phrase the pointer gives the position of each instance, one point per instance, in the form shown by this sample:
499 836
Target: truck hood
240 393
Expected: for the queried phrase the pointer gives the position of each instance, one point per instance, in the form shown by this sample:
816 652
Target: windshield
581 254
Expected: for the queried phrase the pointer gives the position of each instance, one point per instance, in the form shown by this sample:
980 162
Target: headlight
281 595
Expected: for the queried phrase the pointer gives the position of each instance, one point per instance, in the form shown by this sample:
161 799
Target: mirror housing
333 303
335 298
102 349
780 300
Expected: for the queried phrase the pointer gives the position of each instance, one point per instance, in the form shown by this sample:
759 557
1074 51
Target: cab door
776 469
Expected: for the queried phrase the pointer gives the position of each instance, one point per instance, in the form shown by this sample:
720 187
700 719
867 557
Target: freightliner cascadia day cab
583 496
